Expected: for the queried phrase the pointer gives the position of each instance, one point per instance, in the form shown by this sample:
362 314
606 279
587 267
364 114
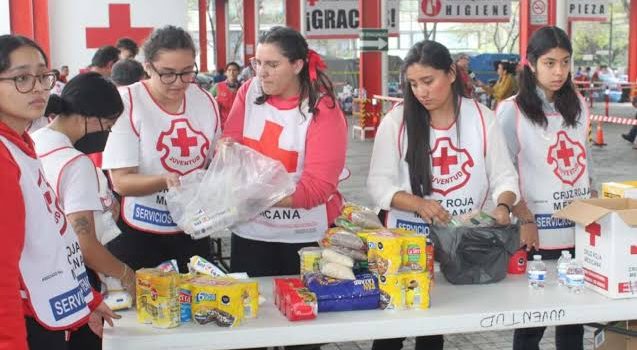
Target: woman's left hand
501 215
98 316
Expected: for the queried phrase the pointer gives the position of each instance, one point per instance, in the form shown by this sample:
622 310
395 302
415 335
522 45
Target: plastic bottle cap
537 257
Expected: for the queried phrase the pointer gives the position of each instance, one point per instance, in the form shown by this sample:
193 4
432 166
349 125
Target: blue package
344 295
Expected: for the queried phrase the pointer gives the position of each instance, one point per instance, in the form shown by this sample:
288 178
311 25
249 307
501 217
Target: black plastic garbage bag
475 255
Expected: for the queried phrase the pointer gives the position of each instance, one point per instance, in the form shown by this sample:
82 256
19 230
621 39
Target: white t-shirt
76 182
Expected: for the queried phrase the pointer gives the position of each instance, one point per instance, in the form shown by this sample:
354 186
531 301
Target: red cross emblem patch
268 145
184 148
567 158
448 174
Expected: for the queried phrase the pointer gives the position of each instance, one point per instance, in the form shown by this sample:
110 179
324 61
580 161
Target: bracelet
506 206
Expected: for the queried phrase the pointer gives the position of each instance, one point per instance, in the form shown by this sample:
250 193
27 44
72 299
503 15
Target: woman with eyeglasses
44 287
168 129
289 113
86 109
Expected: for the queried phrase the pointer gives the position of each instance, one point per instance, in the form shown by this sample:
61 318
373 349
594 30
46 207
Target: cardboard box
626 189
609 340
606 244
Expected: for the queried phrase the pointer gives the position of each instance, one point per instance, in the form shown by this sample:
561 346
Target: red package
293 300
430 258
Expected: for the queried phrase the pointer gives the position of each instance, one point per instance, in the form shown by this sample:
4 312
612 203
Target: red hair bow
314 63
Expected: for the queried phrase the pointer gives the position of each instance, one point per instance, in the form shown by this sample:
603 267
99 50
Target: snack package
309 258
430 259
392 292
250 298
118 300
337 236
201 265
280 286
357 255
143 285
229 312
341 295
414 252
384 254
416 287
346 224
361 216
185 300
329 255
168 266
165 299
204 301
336 271
293 300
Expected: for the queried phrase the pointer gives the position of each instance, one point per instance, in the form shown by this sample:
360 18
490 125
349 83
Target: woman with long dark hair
546 126
437 155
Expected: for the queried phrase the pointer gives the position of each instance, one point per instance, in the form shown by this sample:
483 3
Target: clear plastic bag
238 185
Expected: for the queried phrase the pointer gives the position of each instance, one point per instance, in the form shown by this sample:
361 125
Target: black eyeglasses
25 83
169 78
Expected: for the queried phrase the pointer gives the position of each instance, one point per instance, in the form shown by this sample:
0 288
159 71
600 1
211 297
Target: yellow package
401 231
384 254
309 258
250 298
229 312
416 286
165 299
204 301
143 292
392 293
414 252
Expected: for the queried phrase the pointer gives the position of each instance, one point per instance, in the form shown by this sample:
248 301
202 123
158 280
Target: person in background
219 76
424 143
57 89
88 106
126 72
506 85
128 48
103 60
64 74
462 62
41 265
247 73
226 91
632 134
546 128
170 128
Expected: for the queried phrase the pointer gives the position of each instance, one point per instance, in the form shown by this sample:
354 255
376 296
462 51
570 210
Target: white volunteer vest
459 175
176 143
553 172
280 134
51 265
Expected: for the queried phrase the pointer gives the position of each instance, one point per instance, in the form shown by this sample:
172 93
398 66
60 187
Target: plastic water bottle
575 277
562 265
536 272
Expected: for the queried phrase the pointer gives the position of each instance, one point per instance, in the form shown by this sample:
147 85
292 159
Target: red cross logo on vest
184 148
431 8
52 203
594 230
119 26
268 145
448 174
568 159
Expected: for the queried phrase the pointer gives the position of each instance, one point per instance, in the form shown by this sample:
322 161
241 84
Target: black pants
40 338
84 339
569 337
140 249
430 342
259 258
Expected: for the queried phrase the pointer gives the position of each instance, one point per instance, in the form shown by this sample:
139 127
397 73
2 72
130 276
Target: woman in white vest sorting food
288 112
44 287
546 127
168 129
437 155
88 106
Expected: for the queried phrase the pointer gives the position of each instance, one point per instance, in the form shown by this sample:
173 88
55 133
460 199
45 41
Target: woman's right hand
433 213
128 282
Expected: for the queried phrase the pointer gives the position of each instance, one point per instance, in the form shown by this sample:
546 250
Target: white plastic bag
239 184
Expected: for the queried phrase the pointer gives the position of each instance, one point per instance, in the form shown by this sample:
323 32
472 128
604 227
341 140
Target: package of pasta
332 294
338 236
361 216
416 286
384 254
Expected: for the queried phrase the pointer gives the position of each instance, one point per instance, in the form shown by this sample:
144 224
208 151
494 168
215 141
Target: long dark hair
417 117
10 43
294 47
566 100
89 95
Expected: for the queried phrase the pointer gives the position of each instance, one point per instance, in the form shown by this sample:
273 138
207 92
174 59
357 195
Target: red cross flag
464 10
79 27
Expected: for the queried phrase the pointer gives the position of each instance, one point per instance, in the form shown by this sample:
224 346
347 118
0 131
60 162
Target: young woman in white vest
44 287
437 155
88 105
168 129
225 91
546 127
288 112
